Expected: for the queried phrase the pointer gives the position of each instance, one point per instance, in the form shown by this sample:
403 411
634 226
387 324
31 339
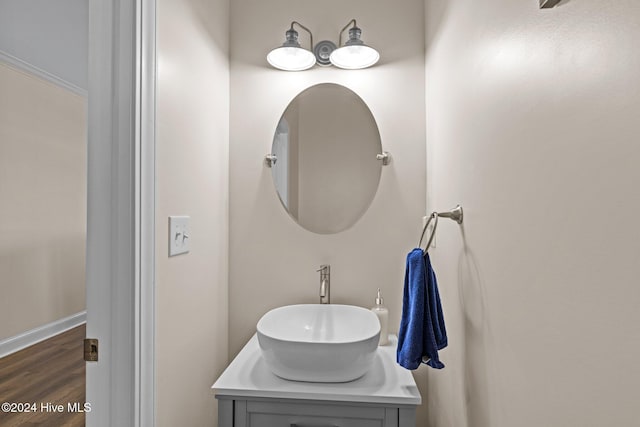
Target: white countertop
386 382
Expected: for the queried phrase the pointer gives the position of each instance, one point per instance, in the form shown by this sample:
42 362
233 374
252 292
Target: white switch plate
428 232
179 235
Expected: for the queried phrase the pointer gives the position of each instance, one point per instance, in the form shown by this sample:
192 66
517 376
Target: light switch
179 235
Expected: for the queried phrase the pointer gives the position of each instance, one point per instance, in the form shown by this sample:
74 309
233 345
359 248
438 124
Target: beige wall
192 179
532 125
273 261
43 202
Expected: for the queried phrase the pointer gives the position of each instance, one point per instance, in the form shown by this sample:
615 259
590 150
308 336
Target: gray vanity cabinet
240 412
250 395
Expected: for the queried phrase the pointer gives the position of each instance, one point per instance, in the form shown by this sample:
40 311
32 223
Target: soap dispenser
383 316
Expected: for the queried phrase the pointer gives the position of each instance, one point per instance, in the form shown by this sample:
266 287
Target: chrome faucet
325 284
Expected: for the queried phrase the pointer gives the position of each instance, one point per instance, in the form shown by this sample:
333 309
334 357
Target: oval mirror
325 145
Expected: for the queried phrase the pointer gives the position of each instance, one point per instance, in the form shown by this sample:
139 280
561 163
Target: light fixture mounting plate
322 50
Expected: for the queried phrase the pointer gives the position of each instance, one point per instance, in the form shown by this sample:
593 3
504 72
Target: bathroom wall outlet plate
179 235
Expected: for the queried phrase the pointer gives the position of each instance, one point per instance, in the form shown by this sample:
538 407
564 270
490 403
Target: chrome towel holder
455 214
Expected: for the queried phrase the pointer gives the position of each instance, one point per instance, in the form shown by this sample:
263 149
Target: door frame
120 212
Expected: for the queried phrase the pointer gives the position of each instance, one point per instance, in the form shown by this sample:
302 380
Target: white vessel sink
319 342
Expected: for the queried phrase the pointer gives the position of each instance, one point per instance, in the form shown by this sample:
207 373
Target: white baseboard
26 339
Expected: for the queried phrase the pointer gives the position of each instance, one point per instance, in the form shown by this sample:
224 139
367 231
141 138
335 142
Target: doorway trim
146 177
120 212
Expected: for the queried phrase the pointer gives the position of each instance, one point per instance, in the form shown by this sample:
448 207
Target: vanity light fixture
291 56
354 55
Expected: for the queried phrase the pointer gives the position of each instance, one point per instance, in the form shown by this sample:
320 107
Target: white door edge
120 212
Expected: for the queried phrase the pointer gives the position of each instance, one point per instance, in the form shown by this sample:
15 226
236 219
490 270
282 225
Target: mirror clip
270 160
385 157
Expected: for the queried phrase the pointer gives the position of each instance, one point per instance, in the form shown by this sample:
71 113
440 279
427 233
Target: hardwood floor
50 372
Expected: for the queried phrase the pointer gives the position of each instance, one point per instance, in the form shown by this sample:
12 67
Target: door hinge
91 349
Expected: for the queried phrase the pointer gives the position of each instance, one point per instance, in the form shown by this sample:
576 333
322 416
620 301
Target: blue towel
422 332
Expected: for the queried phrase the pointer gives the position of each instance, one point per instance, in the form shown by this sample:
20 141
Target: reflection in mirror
326 173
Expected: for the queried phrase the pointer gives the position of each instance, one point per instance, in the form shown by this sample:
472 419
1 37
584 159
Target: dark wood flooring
52 371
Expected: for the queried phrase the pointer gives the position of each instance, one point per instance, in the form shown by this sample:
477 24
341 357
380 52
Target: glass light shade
354 57
291 58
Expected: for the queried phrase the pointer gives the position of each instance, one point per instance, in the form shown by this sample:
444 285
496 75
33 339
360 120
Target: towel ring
434 217
455 214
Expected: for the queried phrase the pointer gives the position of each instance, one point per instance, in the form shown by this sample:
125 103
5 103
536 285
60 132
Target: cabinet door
286 414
